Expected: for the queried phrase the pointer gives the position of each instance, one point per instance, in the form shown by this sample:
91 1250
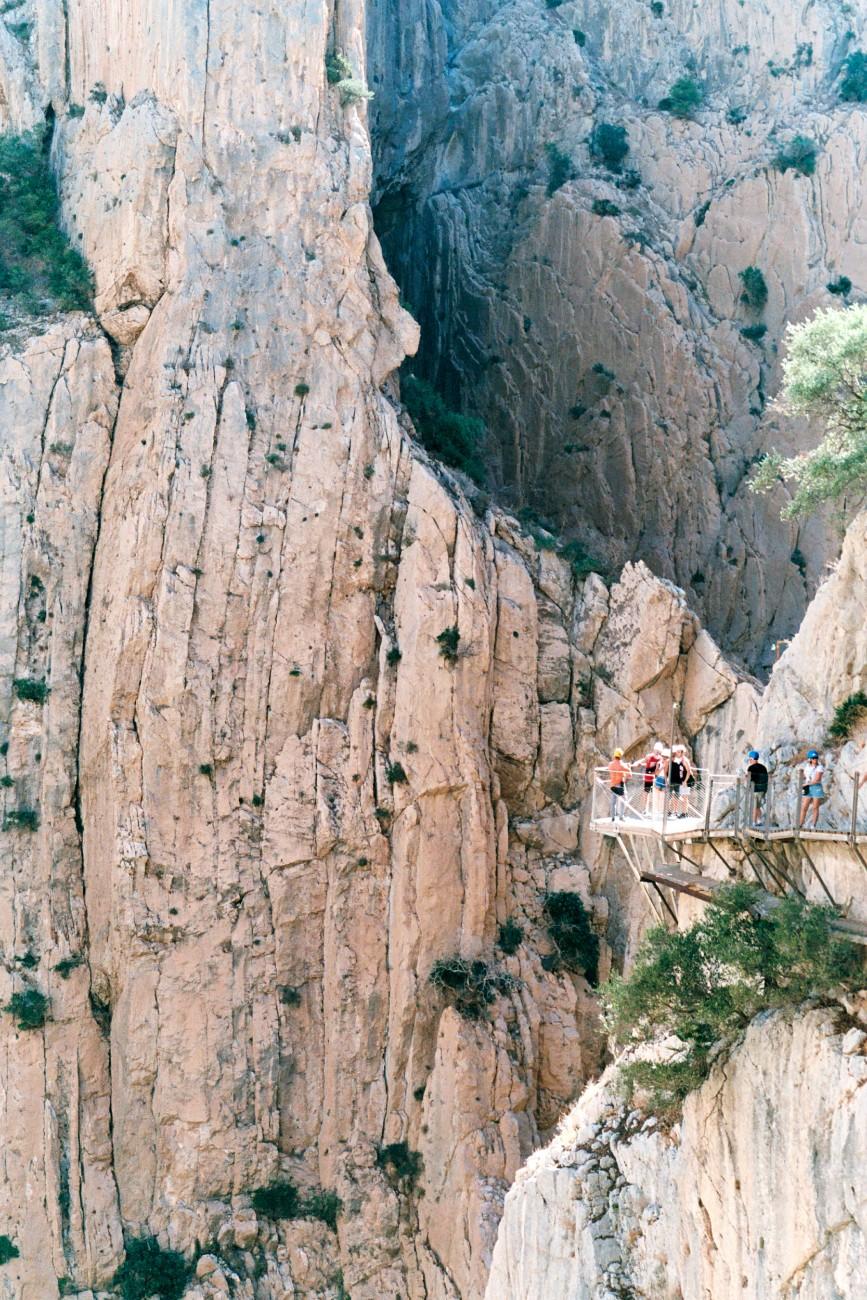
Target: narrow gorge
301 714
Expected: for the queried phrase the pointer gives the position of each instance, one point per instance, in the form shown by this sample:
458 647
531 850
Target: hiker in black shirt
679 771
758 774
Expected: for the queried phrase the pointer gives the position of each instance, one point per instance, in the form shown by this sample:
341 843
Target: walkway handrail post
853 827
796 820
738 799
707 806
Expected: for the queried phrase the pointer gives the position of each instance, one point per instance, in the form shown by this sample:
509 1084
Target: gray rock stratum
598 329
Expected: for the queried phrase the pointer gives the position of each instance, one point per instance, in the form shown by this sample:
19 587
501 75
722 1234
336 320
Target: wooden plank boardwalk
693 828
704 888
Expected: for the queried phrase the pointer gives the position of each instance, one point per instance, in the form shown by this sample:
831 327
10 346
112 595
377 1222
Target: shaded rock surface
606 352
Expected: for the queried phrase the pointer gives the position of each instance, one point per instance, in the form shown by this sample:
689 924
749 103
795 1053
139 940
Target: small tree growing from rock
755 290
853 88
149 1271
609 144
798 155
704 985
824 376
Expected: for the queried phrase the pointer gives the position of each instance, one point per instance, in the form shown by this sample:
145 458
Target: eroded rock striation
589 306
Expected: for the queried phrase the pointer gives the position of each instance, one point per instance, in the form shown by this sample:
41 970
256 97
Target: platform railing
707 801
722 802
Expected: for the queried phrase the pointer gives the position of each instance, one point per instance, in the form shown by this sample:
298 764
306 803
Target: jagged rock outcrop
597 329
758 1191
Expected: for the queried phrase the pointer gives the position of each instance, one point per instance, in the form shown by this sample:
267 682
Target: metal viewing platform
716 806
722 811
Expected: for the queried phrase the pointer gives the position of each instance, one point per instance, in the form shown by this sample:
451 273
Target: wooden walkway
690 829
704 888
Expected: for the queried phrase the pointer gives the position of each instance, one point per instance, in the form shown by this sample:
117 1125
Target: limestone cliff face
758 1192
261 795
284 719
605 351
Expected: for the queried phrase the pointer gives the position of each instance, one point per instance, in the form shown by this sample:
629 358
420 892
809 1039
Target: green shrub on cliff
281 1199
28 1008
825 377
799 155
339 74
704 985
148 1271
684 98
560 168
846 715
853 88
453 438
755 290
577 947
609 144
470 986
37 264
8 1249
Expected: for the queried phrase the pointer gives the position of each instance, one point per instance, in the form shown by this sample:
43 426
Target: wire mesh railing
653 803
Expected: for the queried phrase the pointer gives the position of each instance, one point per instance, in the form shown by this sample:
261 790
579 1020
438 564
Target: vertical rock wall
58 1196
255 893
597 326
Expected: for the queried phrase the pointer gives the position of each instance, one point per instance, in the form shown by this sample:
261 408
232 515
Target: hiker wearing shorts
660 782
652 764
678 773
758 774
618 774
812 789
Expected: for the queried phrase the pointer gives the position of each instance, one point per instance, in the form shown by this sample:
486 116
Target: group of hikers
662 771
812 773
670 774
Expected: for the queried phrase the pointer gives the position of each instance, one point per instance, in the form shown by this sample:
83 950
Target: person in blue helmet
758 775
812 789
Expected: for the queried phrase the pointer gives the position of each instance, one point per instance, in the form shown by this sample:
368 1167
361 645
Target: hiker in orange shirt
618 774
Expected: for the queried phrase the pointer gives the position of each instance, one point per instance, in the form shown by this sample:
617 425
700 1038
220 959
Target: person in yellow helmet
618 774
